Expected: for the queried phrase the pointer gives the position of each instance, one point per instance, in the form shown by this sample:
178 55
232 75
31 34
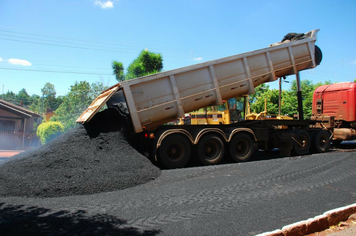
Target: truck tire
320 141
301 144
174 151
241 147
211 149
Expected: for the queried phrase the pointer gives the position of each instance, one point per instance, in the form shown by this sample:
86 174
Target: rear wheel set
320 141
317 142
241 147
174 151
210 149
302 142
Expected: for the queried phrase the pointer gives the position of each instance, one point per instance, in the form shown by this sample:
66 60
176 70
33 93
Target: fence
18 140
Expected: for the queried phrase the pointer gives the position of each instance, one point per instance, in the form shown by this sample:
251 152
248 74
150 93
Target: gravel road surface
229 199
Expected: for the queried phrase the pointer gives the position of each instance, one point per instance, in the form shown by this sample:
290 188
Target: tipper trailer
149 102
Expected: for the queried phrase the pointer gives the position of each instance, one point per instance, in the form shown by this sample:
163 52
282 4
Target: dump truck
151 101
334 105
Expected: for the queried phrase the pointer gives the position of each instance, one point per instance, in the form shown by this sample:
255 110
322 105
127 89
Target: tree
36 104
10 97
256 99
145 64
48 90
270 97
58 101
49 97
75 102
96 89
23 98
259 90
118 70
290 101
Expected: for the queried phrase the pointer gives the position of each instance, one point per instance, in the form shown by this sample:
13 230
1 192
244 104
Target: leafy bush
49 130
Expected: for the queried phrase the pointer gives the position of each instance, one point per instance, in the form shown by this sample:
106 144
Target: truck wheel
175 151
241 147
320 141
301 143
211 150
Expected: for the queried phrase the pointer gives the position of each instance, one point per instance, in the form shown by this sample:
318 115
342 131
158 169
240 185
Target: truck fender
209 130
169 132
237 130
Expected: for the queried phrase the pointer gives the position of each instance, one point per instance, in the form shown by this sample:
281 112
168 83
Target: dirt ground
8 153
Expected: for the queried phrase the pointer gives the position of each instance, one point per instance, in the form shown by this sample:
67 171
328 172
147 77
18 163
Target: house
16 126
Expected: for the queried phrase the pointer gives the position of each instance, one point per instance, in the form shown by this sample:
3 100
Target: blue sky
66 41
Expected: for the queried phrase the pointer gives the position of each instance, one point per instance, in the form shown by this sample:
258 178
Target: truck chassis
173 145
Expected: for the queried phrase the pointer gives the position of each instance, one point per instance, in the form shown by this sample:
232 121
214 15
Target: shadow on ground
21 220
346 146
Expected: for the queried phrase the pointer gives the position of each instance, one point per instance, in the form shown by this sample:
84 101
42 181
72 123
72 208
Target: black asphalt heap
97 158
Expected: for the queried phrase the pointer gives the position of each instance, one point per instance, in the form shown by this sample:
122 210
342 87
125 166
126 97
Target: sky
65 41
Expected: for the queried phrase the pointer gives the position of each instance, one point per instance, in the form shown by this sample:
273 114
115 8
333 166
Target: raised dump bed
156 99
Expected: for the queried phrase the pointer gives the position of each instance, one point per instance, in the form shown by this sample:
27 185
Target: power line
78 67
54 71
85 40
60 45
169 52
79 47
71 39
51 42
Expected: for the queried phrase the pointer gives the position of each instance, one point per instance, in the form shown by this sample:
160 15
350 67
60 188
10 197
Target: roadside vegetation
49 130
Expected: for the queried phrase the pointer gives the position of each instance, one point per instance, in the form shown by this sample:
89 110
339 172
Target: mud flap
285 144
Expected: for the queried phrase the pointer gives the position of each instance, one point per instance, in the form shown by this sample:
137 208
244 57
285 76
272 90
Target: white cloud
104 5
197 58
354 62
21 62
0 59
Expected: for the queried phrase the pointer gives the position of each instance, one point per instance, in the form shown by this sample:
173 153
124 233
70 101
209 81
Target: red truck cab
338 102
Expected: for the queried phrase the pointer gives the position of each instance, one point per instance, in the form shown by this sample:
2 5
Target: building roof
20 111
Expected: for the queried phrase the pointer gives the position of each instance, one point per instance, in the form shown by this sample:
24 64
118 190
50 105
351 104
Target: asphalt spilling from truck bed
85 160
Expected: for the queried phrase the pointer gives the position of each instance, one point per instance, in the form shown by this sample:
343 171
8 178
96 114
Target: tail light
150 135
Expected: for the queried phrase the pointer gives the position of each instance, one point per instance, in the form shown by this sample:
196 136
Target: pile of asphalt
85 160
